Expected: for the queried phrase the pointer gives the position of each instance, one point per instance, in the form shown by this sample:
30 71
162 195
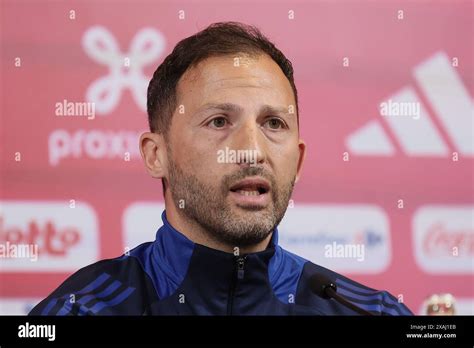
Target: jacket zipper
238 275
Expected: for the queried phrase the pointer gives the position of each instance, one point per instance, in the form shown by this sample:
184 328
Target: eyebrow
229 107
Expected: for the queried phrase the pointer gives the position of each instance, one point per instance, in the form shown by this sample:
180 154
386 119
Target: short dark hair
218 39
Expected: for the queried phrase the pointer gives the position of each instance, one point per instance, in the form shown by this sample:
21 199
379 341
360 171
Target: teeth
248 193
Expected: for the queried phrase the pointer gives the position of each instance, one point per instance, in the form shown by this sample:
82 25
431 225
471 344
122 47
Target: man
225 90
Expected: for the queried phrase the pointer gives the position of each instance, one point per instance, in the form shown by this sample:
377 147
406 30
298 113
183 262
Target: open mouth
251 187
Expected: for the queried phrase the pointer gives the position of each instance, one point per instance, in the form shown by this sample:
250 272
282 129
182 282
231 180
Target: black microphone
327 289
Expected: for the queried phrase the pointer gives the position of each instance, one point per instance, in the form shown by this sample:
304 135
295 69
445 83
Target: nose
250 141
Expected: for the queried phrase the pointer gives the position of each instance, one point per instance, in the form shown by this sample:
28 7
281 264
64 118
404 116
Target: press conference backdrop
386 109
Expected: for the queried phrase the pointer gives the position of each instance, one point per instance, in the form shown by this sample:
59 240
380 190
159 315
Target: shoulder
293 276
379 302
108 287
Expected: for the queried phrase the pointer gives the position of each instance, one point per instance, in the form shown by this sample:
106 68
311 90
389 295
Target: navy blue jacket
174 276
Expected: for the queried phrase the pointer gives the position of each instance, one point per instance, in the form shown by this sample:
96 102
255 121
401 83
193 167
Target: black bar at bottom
419 330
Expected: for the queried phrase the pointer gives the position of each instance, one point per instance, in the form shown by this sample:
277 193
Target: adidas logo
410 123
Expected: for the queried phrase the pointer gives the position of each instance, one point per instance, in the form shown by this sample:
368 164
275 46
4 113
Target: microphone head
319 284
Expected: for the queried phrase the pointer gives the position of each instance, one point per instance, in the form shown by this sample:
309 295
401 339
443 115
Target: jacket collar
173 251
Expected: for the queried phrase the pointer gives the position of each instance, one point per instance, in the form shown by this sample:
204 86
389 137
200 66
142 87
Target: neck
198 235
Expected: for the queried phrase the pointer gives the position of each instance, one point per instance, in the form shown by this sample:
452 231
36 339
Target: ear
302 155
153 151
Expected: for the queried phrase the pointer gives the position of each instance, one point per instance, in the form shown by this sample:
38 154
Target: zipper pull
240 267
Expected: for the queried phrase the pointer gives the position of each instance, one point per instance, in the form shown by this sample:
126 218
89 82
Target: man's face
233 148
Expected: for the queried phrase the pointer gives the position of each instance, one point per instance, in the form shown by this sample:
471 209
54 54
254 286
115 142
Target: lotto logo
55 235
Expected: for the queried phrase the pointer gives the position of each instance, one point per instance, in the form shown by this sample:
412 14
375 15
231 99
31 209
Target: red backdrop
400 184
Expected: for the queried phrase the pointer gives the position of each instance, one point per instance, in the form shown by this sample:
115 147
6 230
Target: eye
218 122
275 123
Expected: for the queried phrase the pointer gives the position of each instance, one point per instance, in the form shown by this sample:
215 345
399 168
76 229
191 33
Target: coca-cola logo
443 237
50 239
440 240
